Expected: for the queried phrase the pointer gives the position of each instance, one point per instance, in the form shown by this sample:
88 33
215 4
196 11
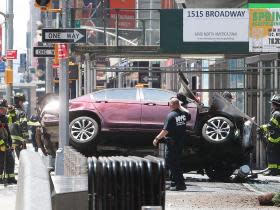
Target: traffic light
44 5
8 75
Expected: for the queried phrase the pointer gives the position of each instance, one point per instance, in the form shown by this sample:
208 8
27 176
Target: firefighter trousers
10 164
273 157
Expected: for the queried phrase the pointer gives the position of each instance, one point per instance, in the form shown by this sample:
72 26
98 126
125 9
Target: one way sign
66 35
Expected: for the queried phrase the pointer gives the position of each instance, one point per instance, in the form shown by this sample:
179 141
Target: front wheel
83 133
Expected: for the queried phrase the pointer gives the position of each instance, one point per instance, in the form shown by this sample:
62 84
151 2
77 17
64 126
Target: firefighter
33 124
272 128
18 123
7 161
174 133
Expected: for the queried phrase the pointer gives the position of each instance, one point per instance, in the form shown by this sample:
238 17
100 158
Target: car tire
83 134
218 130
219 172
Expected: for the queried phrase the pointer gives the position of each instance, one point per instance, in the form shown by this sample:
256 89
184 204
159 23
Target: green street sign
77 24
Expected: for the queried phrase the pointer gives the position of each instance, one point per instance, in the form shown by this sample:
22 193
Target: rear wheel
218 130
219 172
83 134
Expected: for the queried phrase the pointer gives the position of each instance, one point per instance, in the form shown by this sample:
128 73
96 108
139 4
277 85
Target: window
121 94
99 95
157 95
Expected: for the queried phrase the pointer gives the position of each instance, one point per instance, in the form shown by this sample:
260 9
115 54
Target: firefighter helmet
3 103
19 97
275 99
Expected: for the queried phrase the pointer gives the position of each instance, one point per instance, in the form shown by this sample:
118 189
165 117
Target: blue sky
21 16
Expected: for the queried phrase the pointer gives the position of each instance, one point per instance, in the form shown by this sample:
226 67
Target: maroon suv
218 138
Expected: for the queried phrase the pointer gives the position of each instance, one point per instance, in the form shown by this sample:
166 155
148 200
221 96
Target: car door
120 108
154 107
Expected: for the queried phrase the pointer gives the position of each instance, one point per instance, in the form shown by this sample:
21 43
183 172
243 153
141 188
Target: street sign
67 35
43 52
149 79
11 54
2 66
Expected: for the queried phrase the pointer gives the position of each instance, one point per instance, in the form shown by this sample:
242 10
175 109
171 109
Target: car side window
99 95
157 95
121 94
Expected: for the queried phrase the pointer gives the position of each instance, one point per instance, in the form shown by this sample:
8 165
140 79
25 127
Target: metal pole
10 44
94 79
86 74
64 103
276 76
49 71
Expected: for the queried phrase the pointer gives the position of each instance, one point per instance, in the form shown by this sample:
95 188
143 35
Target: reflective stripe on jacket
273 127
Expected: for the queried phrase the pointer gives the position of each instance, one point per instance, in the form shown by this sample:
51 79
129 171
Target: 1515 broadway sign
264 30
215 25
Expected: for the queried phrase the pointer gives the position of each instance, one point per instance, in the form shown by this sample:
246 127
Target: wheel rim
217 130
83 130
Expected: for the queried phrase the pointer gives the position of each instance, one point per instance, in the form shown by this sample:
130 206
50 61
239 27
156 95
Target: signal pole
9 46
64 100
49 71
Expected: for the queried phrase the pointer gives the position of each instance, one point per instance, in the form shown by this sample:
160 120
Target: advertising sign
264 30
215 25
0 40
126 17
2 66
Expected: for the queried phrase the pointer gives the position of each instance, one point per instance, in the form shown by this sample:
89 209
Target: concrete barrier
33 190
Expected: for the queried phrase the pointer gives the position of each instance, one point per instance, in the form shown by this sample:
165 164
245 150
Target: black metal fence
126 183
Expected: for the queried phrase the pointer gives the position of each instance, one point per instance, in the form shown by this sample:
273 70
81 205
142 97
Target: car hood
219 103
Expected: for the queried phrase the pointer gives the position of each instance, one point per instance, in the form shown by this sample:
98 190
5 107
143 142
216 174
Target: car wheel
218 130
83 133
219 172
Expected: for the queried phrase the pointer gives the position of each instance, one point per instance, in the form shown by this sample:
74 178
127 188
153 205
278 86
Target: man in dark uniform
174 130
7 161
273 130
34 124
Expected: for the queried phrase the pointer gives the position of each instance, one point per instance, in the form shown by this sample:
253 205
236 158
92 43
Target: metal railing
118 27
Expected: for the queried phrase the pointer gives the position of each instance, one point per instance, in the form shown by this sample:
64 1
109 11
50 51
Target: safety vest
273 127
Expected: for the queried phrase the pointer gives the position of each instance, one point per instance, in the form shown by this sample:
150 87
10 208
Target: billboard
264 30
0 40
215 25
126 17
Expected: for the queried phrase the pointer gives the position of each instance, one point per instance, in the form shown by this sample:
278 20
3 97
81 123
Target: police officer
174 130
7 161
228 96
18 123
33 124
273 130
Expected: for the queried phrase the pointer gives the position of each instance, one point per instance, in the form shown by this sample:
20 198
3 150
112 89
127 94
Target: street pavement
200 193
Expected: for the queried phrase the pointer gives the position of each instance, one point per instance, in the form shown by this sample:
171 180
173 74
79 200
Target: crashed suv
218 138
